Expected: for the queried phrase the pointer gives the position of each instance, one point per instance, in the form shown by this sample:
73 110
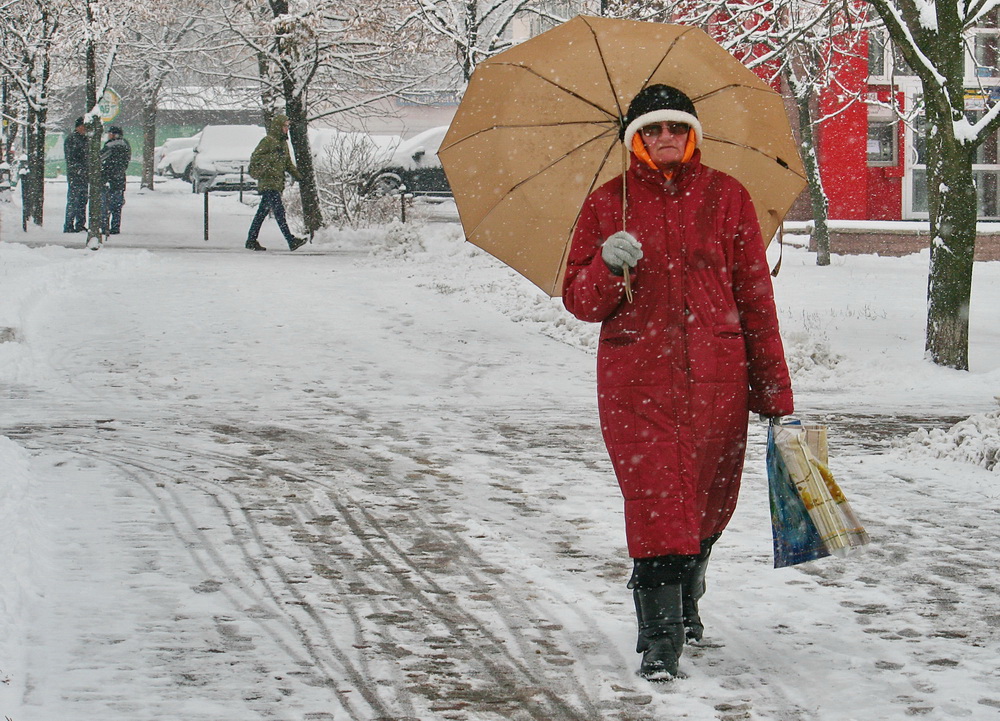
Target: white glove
621 250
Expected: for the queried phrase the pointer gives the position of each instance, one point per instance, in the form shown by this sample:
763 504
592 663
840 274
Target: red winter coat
679 368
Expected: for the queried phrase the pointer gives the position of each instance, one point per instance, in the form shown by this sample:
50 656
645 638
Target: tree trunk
34 194
817 195
266 89
37 114
149 141
952 204
953 243
94 129
298 133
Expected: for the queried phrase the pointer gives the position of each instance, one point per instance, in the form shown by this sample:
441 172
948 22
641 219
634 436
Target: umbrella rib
709 94
553 83
554 162
673 44
521 126
607 71
780 161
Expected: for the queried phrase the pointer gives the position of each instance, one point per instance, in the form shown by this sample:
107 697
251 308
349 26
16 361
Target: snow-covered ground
365 480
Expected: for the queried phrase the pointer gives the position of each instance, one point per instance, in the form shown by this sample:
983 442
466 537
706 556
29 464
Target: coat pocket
728 330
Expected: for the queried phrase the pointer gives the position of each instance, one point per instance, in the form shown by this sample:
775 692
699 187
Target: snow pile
19 564
453 266
809 357
975 440
31 276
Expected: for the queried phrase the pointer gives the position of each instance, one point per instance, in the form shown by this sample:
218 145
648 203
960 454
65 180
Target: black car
414 166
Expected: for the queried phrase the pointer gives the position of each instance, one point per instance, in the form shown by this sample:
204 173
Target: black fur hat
659 103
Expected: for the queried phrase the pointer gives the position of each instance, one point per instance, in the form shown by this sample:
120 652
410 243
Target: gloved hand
620 250
770 420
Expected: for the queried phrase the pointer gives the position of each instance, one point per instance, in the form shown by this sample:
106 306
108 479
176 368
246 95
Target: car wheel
384 184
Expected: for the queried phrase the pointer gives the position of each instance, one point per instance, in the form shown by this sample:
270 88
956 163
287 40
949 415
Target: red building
873 164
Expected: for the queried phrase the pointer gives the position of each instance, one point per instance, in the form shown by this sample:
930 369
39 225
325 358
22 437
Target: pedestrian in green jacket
268 164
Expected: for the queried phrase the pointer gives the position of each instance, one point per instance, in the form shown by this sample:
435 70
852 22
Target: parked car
415 166
175 156
222 156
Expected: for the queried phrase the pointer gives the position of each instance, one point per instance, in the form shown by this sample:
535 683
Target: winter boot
254 245
661 630
296 243
693 587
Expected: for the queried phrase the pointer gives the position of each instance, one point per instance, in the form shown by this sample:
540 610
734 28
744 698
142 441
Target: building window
876 55
987 193
884 58
985 46
985 171
882 140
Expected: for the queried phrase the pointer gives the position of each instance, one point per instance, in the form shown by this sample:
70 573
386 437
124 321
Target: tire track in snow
518 679
313 638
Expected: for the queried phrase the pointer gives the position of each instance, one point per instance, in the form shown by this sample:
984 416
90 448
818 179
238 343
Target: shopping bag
810 516
796 539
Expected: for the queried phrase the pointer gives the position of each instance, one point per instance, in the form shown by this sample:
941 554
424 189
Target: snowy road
322 487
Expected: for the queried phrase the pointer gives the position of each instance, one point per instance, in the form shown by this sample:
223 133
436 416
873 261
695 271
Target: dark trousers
76 205
270 202
112 200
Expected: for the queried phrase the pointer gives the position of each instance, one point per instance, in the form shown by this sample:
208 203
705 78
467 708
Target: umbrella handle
625 270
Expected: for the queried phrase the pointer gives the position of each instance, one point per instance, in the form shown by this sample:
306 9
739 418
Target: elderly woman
682 364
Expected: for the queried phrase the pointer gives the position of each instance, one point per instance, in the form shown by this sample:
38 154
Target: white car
174 157
222 157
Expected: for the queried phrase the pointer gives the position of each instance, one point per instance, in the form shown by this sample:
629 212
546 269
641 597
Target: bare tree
28 37
478 30
153 51
933 38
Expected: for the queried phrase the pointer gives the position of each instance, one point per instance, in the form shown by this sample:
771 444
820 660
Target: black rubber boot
693 588
661 630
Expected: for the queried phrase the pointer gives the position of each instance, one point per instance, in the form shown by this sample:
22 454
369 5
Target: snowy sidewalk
367 482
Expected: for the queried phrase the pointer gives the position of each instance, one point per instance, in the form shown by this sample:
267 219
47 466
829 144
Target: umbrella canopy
538 130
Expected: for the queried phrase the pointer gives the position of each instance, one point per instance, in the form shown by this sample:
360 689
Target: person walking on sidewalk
681 365
115 157
268 164
76 151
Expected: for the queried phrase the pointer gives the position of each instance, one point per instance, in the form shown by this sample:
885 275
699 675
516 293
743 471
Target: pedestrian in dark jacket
269 162
76 151
115 157
680 367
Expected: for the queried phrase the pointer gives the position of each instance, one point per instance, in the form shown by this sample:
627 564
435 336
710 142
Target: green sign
110 105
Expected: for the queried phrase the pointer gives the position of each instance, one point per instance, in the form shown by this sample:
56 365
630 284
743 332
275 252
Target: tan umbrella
538 127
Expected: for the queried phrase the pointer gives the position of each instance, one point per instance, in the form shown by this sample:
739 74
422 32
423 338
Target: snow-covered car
414 166
174 157
222 157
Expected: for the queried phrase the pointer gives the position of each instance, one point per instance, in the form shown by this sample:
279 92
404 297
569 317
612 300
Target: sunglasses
653 131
